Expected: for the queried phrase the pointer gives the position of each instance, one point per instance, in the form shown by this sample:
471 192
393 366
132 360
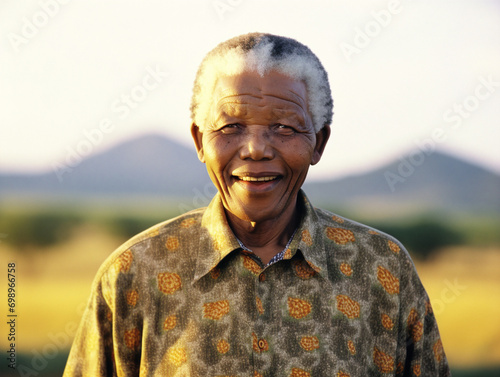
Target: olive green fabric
183 299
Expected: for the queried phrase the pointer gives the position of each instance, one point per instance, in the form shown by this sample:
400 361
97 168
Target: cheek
218 154
299 156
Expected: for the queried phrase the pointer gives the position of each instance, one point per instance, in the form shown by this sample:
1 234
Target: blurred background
95 145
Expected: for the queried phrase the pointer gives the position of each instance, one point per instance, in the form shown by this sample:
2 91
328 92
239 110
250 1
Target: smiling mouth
258 179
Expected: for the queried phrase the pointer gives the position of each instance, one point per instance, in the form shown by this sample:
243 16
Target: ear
321 139
198 141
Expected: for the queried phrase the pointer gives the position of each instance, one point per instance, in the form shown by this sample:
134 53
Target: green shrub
38 229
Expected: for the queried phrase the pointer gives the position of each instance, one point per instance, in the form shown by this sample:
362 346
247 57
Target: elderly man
259 283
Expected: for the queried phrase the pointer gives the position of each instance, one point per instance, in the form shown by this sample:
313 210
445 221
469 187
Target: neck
266 238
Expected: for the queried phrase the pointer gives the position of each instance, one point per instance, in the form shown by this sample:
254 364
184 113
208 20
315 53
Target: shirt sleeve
92 350
420 349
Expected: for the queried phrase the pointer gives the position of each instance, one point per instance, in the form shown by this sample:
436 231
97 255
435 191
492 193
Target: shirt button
262 277
262 344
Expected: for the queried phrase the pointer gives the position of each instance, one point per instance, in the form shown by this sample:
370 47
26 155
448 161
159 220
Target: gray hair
261 53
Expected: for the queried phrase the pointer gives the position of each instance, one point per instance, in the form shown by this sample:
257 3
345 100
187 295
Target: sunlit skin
258 144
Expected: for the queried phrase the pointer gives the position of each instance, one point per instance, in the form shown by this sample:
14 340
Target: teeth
258 179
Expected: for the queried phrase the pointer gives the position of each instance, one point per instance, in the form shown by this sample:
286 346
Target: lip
257 182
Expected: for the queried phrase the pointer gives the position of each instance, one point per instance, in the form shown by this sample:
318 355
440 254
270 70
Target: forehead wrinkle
240 100
300 103
240 109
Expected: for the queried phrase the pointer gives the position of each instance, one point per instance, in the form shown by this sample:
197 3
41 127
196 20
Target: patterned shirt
184 299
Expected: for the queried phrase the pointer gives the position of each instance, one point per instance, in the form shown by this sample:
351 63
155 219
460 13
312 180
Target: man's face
258 143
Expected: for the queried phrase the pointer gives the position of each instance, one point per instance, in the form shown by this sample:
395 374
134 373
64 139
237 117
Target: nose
257 145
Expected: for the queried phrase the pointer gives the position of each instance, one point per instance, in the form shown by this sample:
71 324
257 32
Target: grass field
53 287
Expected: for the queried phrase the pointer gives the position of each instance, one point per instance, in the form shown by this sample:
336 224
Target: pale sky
400 71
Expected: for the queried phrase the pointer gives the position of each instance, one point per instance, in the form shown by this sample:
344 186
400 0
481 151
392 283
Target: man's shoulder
188 222
327 217
155 242
360 234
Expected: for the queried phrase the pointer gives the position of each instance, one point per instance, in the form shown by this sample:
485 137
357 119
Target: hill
153 165
148 165
440 182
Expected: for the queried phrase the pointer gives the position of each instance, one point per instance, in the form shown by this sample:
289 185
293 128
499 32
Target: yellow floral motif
223 346
298 308
215 273
303 270
259 345
306 237
412 317
338 219
346 269
251 265
383 361
170 322
169 282
177 356
309 343
351 347
373 232
215 310
438 350
257 374
288 254
416 370
388 281
124 261
132 338
340 236
343 374
387 322
260 307
415 327
348 306
186 223
132 297
172 243
394 246
297 372
417 331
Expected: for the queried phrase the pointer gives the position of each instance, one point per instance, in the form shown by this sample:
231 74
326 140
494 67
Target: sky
83 76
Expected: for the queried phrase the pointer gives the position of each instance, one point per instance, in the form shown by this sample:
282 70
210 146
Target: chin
257 214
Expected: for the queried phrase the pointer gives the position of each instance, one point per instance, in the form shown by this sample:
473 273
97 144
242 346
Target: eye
230 128
283 129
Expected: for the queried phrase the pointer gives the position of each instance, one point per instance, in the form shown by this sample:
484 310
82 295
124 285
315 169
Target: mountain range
154 165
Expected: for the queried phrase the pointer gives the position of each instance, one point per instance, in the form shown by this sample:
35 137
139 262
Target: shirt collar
217 239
